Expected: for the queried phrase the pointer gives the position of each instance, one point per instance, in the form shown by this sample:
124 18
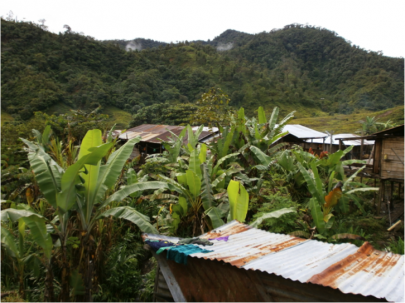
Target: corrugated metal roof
354 142
155 133
303 132
346 267
397 129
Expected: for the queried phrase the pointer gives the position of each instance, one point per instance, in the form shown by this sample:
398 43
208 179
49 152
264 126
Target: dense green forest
298 67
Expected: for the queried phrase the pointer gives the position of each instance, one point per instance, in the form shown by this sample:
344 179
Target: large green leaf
284 121
334 158
130 214
273 118
317 215
218 180
311 185
353 161
193 137
67 197
215 215
110 172
45 135
261 115
238 201
351 178
224 143
15 214
183 203
194 183
40 162
203 153
129 189
207 192
194 163
273 214
174 150
91 139
364 189
182 178
241 122
222 160
174 186
318 181
263 158
8 240
39 233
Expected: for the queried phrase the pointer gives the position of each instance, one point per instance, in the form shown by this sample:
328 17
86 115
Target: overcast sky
370 24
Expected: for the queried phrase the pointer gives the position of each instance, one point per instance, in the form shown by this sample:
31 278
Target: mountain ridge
309 69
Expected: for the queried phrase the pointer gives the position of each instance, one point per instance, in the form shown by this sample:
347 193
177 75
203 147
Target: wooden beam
392 195
381 198
393 226
377 156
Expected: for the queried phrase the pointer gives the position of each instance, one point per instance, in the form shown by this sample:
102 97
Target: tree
42 24
68 29
214 109
368 126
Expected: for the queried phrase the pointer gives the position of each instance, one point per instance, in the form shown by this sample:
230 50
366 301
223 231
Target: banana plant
322 204
39 234
84 187
196 187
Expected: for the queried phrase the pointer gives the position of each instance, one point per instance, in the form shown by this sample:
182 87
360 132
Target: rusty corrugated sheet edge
341 250
153 133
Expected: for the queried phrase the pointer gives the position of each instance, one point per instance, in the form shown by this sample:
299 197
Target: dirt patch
384 114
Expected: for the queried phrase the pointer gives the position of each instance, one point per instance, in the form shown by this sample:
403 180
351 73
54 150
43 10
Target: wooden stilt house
387 163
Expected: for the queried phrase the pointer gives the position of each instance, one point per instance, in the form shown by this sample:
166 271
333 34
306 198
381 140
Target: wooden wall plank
377 156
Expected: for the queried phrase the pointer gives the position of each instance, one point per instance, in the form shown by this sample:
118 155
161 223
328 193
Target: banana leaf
130 214
207 192
273 214
238 200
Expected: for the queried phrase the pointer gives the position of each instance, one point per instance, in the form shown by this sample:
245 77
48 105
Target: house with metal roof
303 132
300 135
153 135
361 148
254 265
387 164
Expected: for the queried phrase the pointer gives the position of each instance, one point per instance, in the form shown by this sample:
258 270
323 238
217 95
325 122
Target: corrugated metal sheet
157 133
346 267
398 130
354 142
303 132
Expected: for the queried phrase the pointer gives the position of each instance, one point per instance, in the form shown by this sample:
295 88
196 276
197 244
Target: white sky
373 25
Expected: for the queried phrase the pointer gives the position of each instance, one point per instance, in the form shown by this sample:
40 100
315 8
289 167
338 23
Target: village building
359 151
152 137
388 163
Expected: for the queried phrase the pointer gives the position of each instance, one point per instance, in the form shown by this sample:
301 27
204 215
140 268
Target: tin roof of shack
303 132
153 133
365 270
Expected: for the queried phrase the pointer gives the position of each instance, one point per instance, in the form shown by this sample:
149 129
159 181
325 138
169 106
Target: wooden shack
387 163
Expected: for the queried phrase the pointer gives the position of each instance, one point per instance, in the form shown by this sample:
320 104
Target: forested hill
304 68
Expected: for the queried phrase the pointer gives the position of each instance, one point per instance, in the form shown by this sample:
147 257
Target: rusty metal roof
157 133
365 270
